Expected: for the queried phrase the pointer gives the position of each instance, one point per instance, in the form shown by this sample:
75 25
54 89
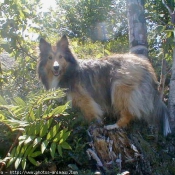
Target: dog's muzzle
56 68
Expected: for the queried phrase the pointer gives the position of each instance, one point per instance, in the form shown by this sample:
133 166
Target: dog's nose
56 65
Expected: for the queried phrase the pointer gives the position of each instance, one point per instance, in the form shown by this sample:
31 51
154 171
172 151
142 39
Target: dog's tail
146 102
162 115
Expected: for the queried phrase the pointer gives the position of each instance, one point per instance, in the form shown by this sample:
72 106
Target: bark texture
163 78
130 152
137 27
171 101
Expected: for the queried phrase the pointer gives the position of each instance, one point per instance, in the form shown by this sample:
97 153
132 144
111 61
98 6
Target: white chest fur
54 82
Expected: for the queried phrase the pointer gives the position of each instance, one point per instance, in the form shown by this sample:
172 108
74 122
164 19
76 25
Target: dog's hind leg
120 102
125 118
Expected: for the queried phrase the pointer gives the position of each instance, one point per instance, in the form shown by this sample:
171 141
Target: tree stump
111 148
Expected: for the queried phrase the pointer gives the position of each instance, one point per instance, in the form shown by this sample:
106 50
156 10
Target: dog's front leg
82 99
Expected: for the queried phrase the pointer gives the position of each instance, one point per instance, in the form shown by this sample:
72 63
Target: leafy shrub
37 120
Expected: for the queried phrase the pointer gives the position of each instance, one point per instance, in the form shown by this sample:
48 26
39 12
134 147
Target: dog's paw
99 122
110 127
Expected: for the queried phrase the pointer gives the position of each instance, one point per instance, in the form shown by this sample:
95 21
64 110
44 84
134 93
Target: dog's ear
63 42
44 45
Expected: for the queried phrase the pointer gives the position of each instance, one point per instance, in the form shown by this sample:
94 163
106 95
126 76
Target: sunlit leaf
23 163
17 162
43 130
28 150
2 101
53 131
37 129
32 115
11 161
59 148
65 145
60 109
29 139
33 161
53 149
23 137
35 154
19 101
44 145
37 141
39 111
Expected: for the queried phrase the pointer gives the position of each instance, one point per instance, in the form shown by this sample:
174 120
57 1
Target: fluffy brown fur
121 83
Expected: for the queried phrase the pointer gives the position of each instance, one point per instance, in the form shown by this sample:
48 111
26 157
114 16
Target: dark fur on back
121 83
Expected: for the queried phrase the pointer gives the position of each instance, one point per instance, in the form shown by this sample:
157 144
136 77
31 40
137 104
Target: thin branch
2 164
168 8
22 48
92 154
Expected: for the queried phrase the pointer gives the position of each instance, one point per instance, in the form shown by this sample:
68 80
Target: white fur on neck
54 82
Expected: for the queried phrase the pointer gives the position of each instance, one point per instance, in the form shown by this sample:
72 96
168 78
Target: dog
123 84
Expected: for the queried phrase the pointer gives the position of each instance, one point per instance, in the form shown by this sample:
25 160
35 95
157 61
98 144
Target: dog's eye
60 56
50 57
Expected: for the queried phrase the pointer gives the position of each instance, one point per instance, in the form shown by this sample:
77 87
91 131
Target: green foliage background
95 28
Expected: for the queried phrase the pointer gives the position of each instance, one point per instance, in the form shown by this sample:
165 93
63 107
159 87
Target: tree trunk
137 27
1 80
162 78
171 101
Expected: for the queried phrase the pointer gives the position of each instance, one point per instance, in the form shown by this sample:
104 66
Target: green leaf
59 148
39 111
107 52
33 161
20 142
57 137
53 149
17 110
12 154
169 33
23 163
47 112
64 135
37 141
2 117
23 137
43 129
18 149
19 101
11 161
44 145
29 148
53 131
32 150
23 149
60 109
29 139
160 28
17 162
37 129
32 115
30 130
35 154
65 145
2 101
49 122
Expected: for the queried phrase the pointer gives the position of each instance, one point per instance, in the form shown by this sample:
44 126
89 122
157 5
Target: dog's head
54 61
